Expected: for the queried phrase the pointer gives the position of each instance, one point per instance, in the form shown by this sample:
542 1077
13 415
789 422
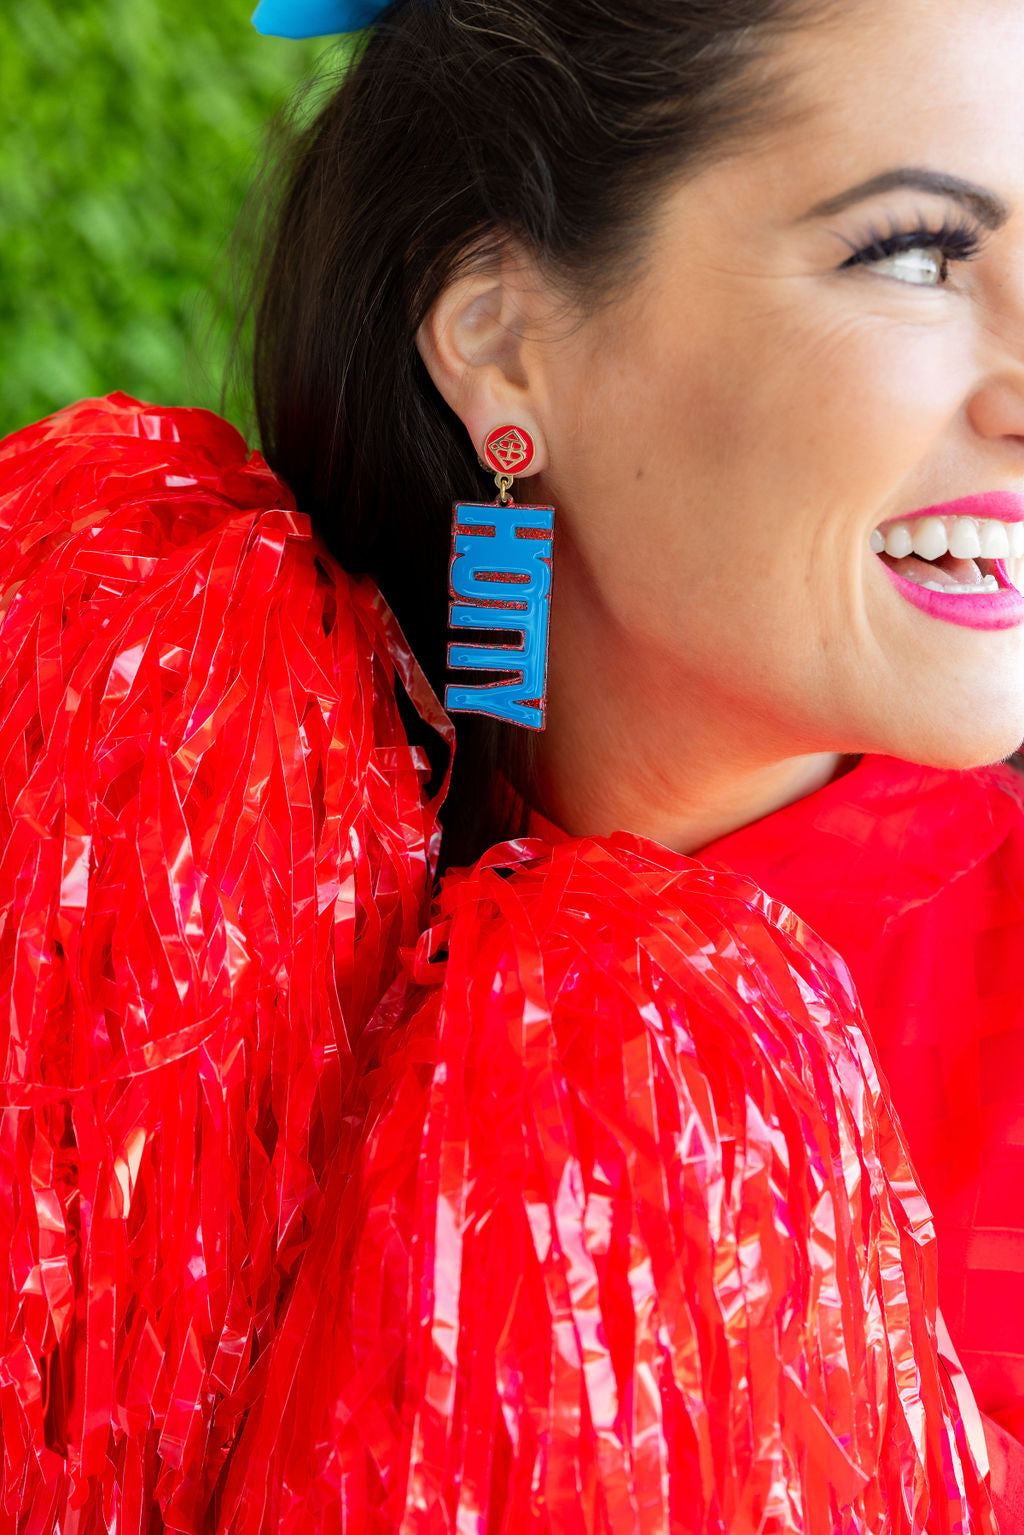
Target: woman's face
799 366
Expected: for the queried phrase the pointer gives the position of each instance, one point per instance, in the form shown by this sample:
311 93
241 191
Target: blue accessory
501 579
315 18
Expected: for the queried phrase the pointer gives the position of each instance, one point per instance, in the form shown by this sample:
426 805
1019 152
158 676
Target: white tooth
877 541
899 541
1016 539
975 589
964 542
995 540
930 539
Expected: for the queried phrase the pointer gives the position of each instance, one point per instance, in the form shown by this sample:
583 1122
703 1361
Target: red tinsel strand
214 840
633 1245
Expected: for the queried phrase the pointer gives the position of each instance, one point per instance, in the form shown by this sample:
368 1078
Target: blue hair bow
315 18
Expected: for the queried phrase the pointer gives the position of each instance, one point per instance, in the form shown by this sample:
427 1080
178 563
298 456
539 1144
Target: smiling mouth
952 554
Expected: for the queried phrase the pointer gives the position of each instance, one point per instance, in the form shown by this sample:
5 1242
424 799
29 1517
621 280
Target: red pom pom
214 840
633 1244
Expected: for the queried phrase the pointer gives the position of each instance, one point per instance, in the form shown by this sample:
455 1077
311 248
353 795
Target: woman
604 1220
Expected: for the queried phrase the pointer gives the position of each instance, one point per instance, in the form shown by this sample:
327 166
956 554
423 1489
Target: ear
480 345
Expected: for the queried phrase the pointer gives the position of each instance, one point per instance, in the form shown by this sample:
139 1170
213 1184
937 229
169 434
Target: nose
996 407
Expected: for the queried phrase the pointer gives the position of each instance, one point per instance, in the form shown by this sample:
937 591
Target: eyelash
958 241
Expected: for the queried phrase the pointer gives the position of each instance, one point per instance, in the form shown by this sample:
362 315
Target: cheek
831 417
728 450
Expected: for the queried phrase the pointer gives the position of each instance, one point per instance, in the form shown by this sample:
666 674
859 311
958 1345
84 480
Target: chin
962 747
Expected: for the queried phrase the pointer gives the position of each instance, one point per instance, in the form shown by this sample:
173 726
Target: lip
985 610
1000 505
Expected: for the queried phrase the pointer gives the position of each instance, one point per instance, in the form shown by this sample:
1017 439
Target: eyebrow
989 209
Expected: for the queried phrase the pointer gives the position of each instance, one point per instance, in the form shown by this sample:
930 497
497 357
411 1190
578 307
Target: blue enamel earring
500 578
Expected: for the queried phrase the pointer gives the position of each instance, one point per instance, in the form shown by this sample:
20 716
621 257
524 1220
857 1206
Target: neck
683 771
707 801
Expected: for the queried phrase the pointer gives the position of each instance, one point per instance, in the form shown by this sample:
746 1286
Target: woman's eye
927 266
921 256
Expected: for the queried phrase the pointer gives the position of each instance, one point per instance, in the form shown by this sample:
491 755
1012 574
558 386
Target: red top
916 876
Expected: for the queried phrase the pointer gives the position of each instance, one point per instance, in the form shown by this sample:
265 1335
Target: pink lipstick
1001 609
1003 505
981 610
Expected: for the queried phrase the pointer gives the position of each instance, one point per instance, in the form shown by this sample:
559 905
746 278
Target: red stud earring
509 450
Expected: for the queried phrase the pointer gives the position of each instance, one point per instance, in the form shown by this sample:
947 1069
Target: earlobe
474 346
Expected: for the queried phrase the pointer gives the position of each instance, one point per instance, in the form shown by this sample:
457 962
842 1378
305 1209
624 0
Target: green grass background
131 132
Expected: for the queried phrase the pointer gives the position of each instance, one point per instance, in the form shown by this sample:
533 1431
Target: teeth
931 539
965 538
994 538
899 541
989 584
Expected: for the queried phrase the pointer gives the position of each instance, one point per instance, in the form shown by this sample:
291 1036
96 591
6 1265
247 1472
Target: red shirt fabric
916 877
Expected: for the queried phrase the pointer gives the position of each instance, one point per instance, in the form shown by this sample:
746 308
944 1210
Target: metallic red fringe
633 1245
214 840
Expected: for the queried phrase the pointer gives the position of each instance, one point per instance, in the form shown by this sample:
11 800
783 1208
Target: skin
721 439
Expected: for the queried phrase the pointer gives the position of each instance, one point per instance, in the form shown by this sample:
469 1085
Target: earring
500 578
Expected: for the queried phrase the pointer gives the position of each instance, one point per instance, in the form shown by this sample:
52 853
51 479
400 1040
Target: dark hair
458 123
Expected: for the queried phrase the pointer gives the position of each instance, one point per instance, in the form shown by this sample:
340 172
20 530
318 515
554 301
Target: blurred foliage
131 132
